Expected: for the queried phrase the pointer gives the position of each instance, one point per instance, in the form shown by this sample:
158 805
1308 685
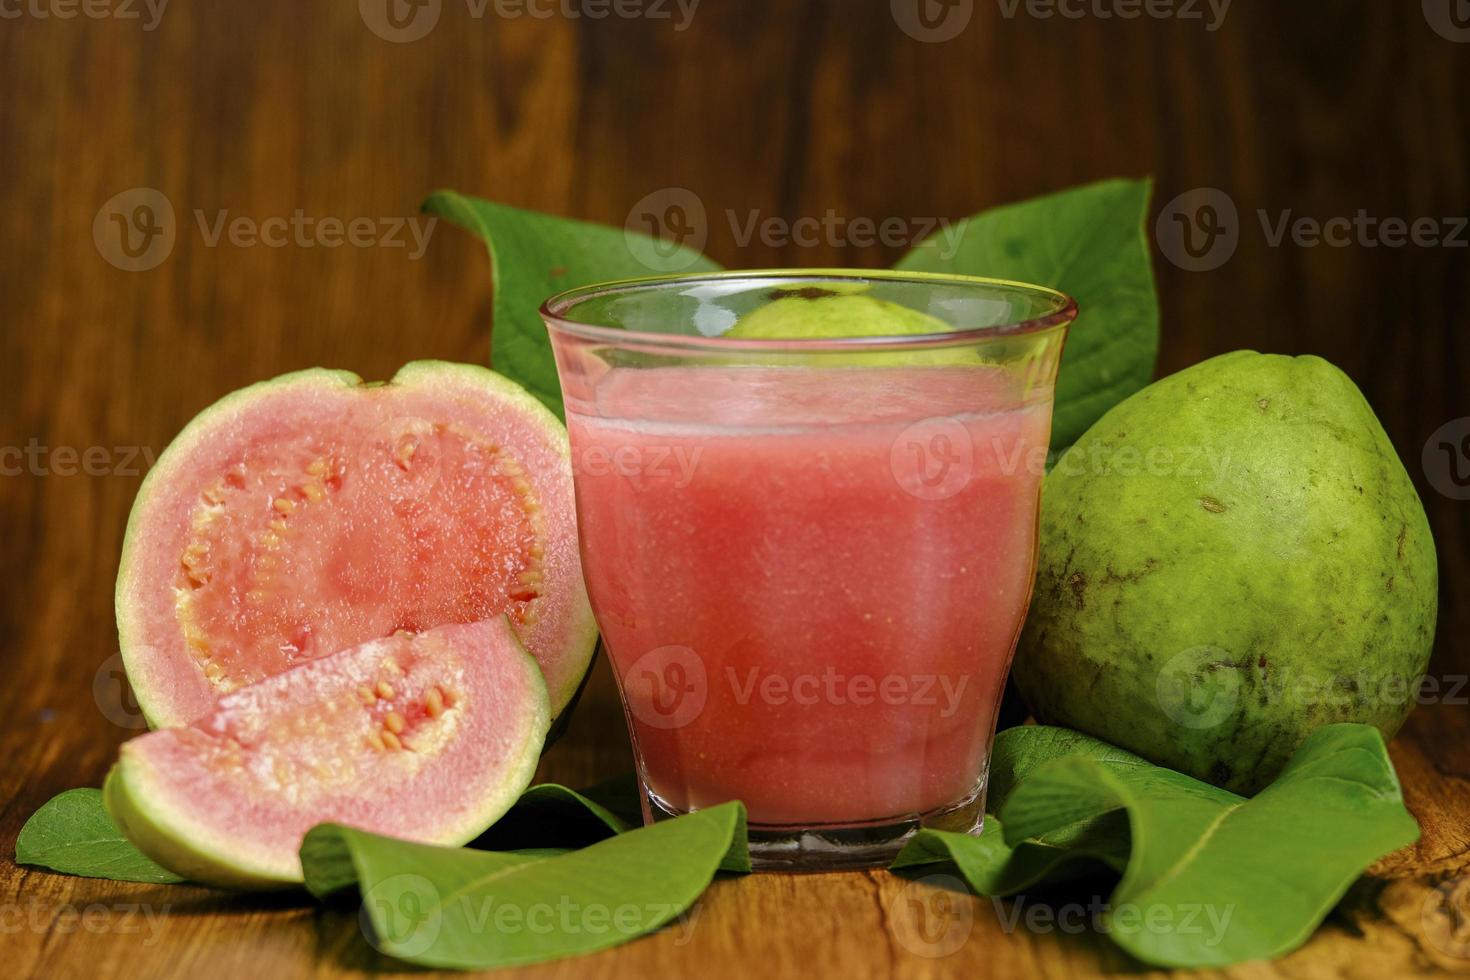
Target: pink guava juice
810 580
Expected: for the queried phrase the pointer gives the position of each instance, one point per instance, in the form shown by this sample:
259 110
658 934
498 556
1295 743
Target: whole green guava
822 312
835 310
1230 559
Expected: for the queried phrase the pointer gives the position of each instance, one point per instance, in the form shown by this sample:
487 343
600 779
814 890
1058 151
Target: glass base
840 847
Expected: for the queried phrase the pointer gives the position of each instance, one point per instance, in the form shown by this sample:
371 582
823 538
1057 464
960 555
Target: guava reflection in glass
810 555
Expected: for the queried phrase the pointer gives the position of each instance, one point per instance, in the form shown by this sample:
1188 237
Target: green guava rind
134 589
1271 551
176 839
157 835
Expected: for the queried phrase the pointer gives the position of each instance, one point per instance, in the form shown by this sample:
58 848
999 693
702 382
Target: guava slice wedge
428 737
311 513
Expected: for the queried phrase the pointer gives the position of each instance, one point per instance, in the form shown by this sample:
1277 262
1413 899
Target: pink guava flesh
309 514
427 737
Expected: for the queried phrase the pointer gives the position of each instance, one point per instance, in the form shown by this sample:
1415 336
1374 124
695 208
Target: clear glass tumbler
810 555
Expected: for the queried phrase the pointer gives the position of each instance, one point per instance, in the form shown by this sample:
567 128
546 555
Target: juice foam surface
757 399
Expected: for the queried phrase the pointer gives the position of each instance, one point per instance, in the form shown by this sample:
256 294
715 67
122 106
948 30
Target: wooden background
789 109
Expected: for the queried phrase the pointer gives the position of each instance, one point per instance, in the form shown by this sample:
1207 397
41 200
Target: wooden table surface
783 109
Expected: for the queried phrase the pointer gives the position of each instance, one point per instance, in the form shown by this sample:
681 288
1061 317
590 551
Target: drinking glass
810 554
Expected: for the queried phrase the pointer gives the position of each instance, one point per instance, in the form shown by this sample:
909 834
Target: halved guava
428 737
308 514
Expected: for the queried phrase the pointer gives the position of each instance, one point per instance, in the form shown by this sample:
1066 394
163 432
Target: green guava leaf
73 834
551 815
620 796
1090 243
548 820
1020 751
466 909
1267 869
533 256
994 867
1208 878
1213 878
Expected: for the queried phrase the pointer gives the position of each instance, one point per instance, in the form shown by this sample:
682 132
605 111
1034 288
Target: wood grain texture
778 108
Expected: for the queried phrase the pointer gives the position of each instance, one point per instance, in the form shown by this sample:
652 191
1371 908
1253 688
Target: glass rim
555 307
